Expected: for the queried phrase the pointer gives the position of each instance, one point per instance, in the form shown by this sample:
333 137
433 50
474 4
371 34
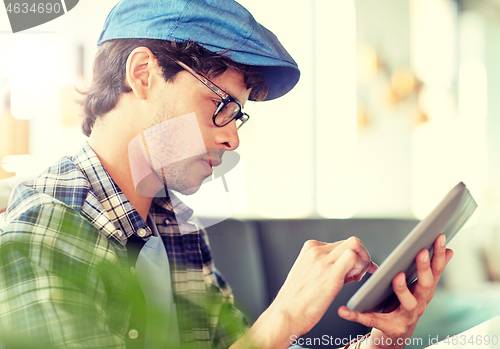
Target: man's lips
210 163
214 162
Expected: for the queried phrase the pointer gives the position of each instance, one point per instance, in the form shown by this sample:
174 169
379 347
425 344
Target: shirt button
133 334
118 233
132 271
167 221
141 232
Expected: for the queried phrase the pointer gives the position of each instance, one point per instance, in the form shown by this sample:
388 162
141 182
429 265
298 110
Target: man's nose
228 136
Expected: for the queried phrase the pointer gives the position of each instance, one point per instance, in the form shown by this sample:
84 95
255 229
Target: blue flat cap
217 25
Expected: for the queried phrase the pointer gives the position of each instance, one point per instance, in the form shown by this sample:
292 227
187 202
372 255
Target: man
88 260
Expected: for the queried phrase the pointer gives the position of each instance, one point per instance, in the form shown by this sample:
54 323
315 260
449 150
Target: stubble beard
179 175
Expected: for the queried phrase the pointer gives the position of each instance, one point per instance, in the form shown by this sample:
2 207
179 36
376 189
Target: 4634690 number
34 8
472 340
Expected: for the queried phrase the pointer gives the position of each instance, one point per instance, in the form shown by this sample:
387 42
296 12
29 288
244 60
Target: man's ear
141 64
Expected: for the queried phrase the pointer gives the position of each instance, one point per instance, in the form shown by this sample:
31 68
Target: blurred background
396 104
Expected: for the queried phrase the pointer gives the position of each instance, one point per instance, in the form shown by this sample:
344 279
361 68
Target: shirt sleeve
232 326
61 283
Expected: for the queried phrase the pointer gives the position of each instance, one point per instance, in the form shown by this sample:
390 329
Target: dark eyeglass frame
226 98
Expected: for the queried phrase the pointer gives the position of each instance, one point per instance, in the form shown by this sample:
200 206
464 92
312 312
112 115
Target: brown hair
108 81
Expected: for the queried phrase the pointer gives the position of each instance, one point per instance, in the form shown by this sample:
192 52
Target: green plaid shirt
65 278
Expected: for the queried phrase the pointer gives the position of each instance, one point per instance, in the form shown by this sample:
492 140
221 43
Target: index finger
355 244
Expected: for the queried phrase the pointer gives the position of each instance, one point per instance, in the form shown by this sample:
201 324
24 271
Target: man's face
183 96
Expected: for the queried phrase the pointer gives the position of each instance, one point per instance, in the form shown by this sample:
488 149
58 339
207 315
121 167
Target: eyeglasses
229 108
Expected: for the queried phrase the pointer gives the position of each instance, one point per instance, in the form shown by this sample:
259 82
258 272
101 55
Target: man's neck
114 158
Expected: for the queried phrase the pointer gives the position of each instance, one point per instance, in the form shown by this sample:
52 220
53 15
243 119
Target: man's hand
317 276
398 325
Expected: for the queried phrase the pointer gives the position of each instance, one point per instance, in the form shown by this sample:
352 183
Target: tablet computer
447 218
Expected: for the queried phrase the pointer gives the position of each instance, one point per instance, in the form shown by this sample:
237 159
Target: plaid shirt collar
106 205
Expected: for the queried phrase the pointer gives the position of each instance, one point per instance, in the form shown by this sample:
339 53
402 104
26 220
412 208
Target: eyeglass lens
229 112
